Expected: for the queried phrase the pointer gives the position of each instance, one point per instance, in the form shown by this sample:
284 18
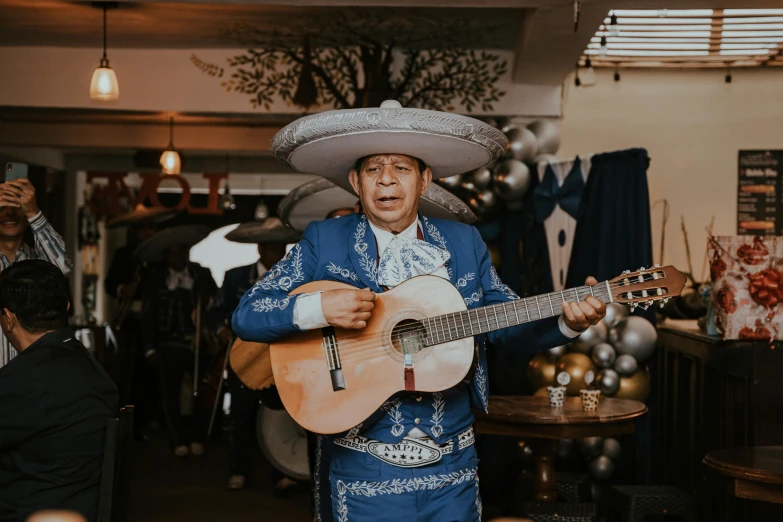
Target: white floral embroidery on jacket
344 272
368 264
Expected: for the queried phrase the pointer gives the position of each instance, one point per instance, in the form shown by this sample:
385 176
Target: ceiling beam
137 136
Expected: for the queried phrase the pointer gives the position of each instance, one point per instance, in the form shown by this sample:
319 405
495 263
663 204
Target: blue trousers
364 488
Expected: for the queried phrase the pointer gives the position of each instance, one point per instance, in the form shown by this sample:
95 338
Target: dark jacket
167 315
236 282
55 400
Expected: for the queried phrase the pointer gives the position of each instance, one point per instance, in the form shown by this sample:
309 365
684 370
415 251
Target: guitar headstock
646 286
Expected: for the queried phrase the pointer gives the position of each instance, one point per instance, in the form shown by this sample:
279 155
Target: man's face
12 222
389 187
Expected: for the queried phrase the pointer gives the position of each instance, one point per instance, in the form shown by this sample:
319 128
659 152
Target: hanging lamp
104 85
170 160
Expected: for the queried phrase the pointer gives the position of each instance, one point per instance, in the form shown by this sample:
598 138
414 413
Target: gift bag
747 286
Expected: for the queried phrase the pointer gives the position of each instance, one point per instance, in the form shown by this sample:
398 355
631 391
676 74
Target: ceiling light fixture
587 75
104 85
728 75
614 29
617 74
170 160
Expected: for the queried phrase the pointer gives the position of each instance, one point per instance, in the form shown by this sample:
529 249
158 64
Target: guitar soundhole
408 337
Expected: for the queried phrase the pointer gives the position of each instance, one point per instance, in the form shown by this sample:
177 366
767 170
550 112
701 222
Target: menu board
760 193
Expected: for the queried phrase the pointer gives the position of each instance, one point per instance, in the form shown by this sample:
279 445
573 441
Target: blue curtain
613 231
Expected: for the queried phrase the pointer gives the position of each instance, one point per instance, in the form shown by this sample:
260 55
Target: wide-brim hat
329 143
153 249
315 199
271 230
142 215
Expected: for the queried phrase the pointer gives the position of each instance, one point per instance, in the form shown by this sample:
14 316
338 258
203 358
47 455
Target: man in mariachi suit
392 155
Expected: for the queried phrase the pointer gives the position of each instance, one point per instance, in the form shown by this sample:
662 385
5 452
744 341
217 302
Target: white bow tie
179 280
408 257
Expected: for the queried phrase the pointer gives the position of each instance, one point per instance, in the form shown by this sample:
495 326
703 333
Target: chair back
115 476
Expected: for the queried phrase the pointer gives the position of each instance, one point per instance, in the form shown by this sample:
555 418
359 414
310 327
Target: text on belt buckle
405 454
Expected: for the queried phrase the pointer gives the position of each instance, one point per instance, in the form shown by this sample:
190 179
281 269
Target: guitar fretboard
458 325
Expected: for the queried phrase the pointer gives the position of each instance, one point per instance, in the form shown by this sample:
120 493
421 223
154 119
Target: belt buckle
408 453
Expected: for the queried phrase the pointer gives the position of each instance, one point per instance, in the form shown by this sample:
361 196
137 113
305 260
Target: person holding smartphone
18 211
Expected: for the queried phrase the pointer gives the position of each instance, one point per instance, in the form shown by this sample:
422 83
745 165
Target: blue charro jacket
344 250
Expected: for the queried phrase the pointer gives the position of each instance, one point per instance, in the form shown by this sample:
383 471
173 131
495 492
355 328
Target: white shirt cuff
568 332
308 313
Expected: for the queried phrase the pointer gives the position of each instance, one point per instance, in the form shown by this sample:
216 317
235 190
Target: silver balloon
523 144
548 158
511 179
603 355
612 448
635 336
590 447
547 135
565 448
601 468
591 337
625 365
615 312
480 177
608 381
555 353
450 183
483 203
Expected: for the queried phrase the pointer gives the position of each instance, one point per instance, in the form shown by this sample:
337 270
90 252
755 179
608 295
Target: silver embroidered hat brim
314 200
328 144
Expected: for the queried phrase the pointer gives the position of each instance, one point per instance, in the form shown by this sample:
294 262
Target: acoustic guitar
419 339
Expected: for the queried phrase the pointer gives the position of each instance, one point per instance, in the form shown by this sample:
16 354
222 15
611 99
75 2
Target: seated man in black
55 400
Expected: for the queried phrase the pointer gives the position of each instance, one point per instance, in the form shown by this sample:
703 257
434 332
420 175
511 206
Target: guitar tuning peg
657 266
626 272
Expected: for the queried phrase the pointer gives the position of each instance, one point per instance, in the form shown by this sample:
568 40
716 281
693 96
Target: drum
283 442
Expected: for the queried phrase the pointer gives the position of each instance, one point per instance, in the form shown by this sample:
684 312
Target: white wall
693 124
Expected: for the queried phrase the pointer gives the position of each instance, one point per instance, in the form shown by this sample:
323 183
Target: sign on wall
759 193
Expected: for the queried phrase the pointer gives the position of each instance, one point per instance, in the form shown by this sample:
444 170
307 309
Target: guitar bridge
329 344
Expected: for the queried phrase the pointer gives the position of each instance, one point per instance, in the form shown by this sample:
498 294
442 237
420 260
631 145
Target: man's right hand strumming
348 308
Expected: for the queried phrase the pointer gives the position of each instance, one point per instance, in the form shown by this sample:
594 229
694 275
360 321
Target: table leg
544 452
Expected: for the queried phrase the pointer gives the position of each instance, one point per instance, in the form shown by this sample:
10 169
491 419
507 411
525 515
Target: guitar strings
420 326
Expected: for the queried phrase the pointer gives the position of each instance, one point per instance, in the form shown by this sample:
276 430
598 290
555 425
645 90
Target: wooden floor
193 489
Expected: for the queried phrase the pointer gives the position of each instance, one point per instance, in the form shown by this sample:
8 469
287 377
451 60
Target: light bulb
587 74
603 50
170 162
104 85
614 29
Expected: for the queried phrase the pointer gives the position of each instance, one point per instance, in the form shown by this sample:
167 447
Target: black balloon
483 203
565 449
612 448
601 468
608 381
481 178
516 205
590 447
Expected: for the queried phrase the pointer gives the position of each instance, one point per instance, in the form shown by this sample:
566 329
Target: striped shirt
49 246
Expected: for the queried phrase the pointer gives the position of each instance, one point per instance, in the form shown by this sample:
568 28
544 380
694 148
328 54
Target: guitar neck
459 325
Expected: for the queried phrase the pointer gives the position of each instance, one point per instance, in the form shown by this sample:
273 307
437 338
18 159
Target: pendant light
614 29
587 74
170 160
104 85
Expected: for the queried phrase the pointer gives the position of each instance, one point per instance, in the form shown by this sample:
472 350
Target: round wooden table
542 426
757 472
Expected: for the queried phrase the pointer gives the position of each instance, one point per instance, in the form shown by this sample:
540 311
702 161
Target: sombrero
142 215
329 143
316 199
154 248
271 230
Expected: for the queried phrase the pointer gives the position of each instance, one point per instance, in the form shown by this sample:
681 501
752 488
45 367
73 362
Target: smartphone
15 171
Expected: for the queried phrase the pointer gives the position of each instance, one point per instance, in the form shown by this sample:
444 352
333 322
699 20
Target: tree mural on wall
361 60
